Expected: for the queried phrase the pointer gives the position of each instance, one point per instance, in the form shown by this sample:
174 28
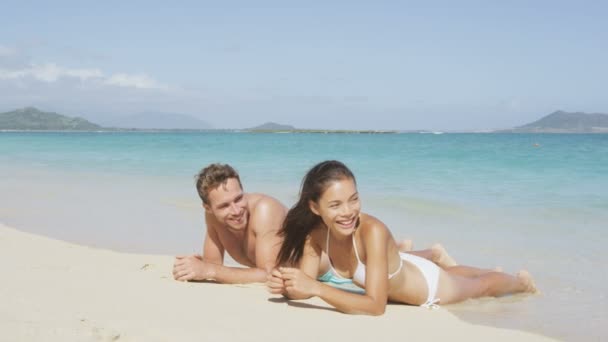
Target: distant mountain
565 122
158 120
272 126
30 118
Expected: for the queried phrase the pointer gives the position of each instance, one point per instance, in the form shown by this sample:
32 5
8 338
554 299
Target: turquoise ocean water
538 202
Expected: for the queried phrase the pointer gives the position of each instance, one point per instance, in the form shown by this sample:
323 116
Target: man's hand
192 267
275 282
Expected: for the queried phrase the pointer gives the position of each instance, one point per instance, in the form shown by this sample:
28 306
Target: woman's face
339 206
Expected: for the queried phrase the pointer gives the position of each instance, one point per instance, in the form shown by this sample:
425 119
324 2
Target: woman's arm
373 302
309 266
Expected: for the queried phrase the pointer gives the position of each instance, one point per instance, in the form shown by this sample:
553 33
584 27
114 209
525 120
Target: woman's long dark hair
300 220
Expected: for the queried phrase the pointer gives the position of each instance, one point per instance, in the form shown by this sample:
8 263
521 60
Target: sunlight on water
492 200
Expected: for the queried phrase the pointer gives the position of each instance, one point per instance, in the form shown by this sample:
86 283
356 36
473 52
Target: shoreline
55 290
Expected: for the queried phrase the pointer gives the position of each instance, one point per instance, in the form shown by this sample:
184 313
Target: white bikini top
359 275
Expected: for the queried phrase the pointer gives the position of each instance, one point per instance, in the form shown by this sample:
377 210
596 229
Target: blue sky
355 65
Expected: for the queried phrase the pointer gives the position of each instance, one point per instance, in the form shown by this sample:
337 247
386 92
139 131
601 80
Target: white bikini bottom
430 272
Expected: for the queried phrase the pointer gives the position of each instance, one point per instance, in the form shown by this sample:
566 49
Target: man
243 224
246 225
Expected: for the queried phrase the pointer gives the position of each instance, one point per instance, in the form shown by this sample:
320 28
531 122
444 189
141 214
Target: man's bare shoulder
266 212
263 203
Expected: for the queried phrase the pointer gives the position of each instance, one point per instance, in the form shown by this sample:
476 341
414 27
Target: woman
327 218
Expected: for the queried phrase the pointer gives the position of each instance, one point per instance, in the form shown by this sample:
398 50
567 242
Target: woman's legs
454 288
405 245
436 253
469 271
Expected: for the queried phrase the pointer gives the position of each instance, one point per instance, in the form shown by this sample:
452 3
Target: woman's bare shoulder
371 226
370 222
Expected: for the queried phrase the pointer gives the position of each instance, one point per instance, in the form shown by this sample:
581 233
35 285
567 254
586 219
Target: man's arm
197 267
265 221
213 249
210 266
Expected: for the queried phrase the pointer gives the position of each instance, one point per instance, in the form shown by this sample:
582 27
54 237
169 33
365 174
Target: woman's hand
275 283
298 284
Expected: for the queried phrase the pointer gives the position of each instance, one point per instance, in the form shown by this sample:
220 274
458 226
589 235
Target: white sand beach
57 291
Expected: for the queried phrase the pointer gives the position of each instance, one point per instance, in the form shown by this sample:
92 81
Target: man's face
229 205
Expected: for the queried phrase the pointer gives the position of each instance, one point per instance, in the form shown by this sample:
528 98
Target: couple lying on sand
325 236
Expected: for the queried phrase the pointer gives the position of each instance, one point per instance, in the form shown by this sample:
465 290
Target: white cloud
84 74
51 73
136 81
6 51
